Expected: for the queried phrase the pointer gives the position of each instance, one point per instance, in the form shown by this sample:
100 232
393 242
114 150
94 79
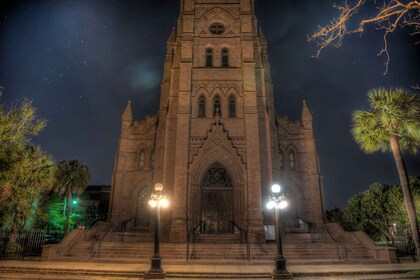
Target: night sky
81 61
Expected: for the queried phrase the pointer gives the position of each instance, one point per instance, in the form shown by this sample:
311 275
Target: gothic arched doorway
143 211
217 200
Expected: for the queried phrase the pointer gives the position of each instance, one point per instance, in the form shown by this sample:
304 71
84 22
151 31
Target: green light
74 201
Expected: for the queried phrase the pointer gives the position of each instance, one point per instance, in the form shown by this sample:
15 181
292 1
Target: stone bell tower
216 143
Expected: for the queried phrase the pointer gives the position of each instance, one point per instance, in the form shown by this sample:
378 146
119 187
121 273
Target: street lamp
278 201
157 199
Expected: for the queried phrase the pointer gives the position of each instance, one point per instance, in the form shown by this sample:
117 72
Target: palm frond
397 112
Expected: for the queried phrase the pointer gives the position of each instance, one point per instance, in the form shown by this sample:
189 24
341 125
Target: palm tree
72 178
392 124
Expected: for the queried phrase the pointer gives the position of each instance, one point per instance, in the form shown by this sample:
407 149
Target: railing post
344 251
248 247
99 248
187 257
337 250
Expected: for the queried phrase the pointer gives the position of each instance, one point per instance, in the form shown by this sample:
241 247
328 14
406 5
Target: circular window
217 28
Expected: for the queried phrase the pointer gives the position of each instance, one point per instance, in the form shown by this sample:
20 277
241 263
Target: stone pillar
178 232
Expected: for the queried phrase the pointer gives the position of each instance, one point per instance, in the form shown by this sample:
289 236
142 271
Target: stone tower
216 143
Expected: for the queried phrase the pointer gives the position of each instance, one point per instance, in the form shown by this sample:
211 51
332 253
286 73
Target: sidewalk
189 270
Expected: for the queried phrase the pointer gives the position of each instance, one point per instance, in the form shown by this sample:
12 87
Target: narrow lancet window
232 106
141 160
292 160
209 57
202 106
217 106
225 57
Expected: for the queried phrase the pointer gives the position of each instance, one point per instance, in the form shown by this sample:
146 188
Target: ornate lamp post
278 201
157 199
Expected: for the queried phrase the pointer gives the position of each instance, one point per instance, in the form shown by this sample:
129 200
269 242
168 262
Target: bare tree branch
390 15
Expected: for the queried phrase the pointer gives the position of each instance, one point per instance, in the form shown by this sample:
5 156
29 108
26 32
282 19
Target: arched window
141 159
292 162
232 106
281 160
225 57
217 177
202 106
217 106
209 57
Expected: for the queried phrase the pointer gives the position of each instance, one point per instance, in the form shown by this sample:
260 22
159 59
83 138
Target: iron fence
402 240
20 245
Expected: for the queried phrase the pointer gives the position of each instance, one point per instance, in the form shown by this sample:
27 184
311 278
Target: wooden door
217 211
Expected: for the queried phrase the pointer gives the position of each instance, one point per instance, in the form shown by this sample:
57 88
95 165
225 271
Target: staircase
137 247
227 238
129 237
124 252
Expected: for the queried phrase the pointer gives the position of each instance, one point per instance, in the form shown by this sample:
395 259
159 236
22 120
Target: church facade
216 143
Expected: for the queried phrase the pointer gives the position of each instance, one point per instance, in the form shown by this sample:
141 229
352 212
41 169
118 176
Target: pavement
90 270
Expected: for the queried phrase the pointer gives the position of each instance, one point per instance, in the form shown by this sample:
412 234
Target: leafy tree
388 15
392 124
72 178
54 218
17 124
26 173
375 210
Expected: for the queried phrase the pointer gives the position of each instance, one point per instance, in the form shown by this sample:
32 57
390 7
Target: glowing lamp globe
271 204
283 204
158 187
152 203
164 202
275 188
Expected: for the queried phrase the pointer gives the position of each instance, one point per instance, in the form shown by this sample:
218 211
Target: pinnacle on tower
172 36
306 117
262 37
127 117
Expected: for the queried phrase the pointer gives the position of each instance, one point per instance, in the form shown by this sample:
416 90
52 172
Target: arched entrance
143 210
217 200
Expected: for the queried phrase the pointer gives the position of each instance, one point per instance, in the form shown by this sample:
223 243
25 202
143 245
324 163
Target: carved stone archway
217 200
218 150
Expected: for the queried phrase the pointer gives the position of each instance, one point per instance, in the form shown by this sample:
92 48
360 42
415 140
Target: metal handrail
337 242
100 242
123 226
120 226
191 239
343 254
243 239
200 225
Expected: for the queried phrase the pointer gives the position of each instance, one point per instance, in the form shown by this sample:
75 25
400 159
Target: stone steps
218 251
217 238
127 250
297 248
210 251
130 237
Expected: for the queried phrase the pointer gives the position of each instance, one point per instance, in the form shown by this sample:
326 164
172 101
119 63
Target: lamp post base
282 276
152 275
280 272
156 265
